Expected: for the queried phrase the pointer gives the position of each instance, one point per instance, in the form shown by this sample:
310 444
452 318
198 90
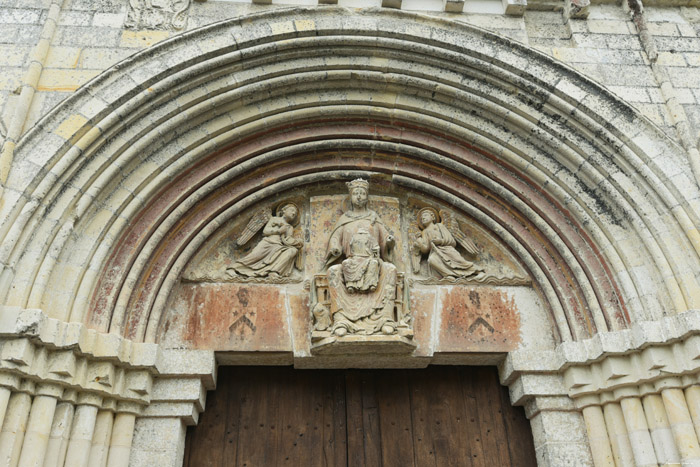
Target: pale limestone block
560 439
100 58
687 30
38 429
62 57
19 16
142 39
158 441
60 433
453 6
75 18
179 390
13 428
663 15
663 29
108 20
602 26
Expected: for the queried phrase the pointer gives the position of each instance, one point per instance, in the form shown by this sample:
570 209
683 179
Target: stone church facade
530 177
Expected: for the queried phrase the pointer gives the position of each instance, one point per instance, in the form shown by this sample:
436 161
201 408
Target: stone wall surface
605 46
136 133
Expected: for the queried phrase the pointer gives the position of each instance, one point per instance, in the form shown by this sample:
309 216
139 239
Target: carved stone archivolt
157 14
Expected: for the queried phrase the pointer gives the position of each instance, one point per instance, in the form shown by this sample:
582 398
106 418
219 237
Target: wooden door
440 416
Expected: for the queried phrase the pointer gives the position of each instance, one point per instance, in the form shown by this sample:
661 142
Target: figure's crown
358 183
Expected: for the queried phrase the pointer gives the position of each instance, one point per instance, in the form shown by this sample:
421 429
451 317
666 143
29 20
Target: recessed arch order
113 192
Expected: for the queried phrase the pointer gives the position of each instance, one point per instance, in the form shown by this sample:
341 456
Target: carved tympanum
361 288
440 235
278 251
157 14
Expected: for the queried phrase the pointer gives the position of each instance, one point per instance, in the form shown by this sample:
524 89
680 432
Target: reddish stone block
241 317
477 319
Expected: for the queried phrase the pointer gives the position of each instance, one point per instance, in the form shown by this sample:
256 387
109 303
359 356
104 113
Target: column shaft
38 428
60 433
638 432
692 396
101 438
661 435
4 399
681 425
13 428
598 437
82 431
122 436
617 432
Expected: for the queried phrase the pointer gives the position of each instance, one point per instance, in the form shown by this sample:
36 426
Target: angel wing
413 232
255 223
452 225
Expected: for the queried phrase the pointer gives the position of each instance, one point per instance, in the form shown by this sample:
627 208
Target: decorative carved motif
440 234
438 254
278 252
157 14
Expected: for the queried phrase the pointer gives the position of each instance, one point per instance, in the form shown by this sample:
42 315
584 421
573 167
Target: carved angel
278 251
439 236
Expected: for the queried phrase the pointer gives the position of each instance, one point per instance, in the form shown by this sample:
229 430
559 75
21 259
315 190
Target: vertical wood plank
370 420
492 431
521 446
251 451
393 400
423 447
232 387
473 423
355 431
455 419
334 441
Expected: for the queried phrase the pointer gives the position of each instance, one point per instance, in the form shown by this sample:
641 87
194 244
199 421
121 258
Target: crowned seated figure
363 285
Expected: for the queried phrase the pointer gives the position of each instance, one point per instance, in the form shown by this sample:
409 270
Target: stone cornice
39 355
645 359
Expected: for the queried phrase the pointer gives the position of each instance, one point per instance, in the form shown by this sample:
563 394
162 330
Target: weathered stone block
477 319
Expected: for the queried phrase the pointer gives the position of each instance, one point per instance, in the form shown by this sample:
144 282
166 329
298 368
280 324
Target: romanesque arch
113 193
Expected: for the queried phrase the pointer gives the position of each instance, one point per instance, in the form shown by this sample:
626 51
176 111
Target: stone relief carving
277 253
442 253
439 236
361 292
353 267
157 14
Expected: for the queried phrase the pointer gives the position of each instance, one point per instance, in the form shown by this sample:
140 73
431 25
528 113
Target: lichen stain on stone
239 317
478 319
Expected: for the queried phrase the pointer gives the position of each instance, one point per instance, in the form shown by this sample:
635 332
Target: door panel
440 416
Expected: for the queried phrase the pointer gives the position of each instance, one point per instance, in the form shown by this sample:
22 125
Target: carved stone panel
356 279
157 14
